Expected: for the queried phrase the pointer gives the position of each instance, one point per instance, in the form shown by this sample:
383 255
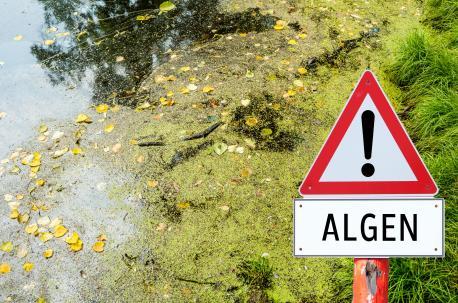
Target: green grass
426 70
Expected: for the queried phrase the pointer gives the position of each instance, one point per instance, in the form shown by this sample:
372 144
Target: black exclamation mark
367 119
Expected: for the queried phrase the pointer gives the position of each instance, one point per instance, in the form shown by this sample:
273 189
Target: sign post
368 195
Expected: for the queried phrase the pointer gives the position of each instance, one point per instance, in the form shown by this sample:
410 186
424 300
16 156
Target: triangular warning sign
368 151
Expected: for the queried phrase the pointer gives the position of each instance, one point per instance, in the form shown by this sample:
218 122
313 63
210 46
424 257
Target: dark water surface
76 52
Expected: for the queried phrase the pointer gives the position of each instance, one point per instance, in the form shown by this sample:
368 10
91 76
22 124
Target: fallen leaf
43 128
102 108
279 25
14 214
60 231
73 238
60 152
249 74
224 208
31 228
57 135
98 246
2 115
208 89
246 172
77 246
21 252
265 132
4 268
18 37
152 183
251 121
102 237
83 118
116 148
166 6
77 151
45 237
140 159
183 205
184 90
6 246
292 42
43 221
48 253
161 227
40 182
109 128
302 70
220 148
191 87
49 42
27 266
185 69
8 197
245 102
143 17
120 58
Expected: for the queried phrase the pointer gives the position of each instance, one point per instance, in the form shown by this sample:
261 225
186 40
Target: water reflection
119 42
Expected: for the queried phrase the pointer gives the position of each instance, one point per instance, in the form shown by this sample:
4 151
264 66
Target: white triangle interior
387 159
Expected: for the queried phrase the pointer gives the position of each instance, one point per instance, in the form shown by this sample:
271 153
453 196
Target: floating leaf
152 183
31 228
102 108
220 148
246 172
48 253
46 236
4 268
109 128
251 121
60 231
6 246
183 205
77 246
98 246
83 118
73 238
28 266
43 128
265 132
49 42
302 70
77 151
166 7
208 89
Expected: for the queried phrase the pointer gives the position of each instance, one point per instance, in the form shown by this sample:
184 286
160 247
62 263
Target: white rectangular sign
369 228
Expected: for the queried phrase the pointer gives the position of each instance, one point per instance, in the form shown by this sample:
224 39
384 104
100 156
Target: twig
204 133
151 143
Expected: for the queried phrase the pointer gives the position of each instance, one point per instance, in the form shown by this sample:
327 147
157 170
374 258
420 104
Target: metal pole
370 280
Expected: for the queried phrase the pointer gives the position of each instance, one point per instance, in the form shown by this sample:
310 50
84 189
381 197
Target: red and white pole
370 280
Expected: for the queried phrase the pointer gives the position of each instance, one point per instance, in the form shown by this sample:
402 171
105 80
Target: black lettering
413 233
330 220
346 237
373 237
386 226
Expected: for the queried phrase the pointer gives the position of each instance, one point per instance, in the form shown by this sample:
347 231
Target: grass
426 70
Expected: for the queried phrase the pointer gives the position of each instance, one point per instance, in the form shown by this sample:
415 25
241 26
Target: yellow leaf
301 70
6 246
183 205
4 268
152 183
249 74
48 42
265 132
246 172
59 231
43 128
83 118
276 106
279 25
184 90
60 152
166 6
109 128
208 89
119 59
102 108
63 34
18 37
291 92
77 246
143 17
19 196
41 300
73 238
40 182
251 121
292 42
185 69
48 253
46 236
31 228
27 266
23 218
14 214
302 35
98 246
77 151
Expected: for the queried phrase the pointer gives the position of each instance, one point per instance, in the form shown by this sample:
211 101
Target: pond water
58 57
